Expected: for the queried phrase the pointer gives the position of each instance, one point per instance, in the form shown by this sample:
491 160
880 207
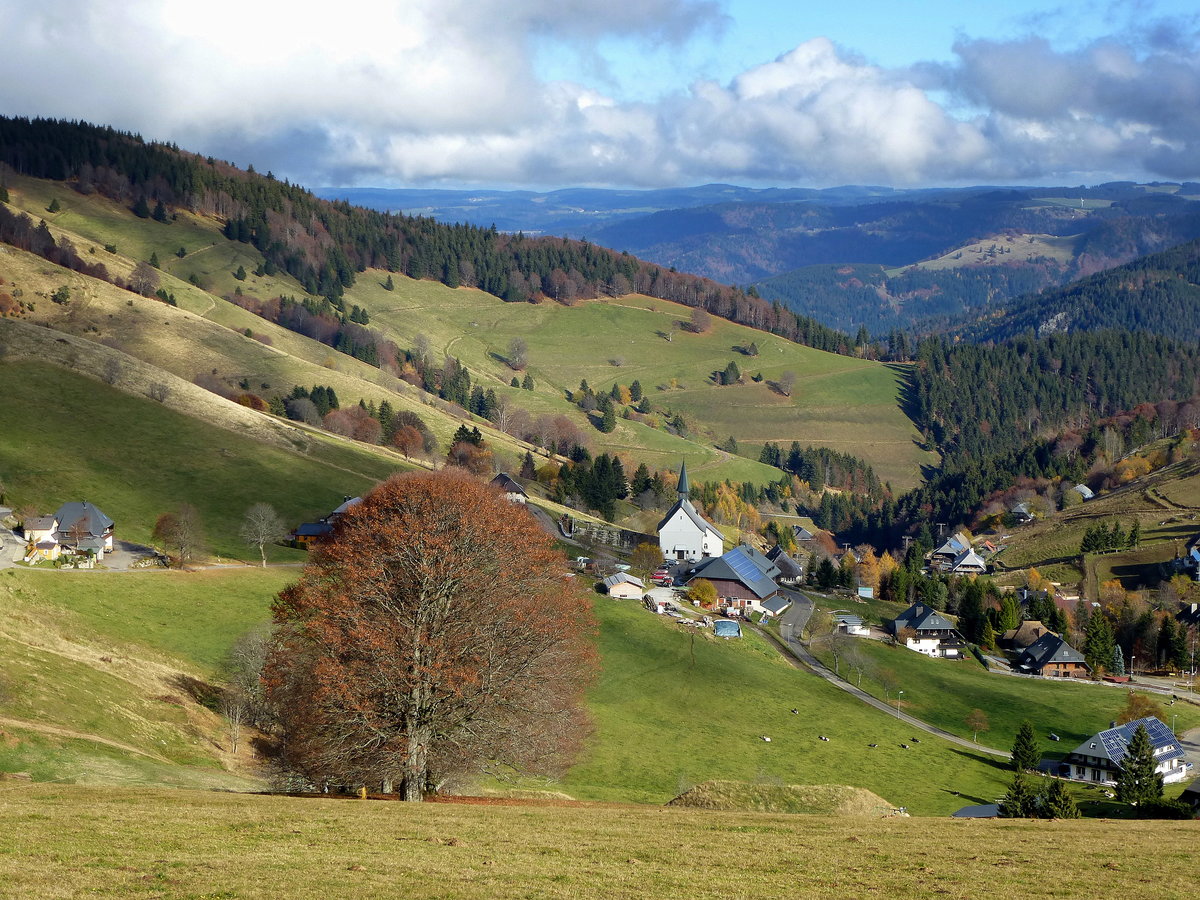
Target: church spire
683 480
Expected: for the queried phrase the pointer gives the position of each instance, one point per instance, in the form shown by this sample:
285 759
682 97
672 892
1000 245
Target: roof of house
777 604
1112 743
1025 634
313 529
84 515
508 484
920 617
801 533
623 578
1047 649
743 564
346 504
847 619
683 503
788 567
968 559
1084 491
41 523
954 545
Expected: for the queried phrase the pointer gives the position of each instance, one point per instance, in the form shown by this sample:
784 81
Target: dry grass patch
66 842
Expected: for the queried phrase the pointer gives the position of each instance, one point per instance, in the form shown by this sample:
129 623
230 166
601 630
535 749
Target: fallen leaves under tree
434 635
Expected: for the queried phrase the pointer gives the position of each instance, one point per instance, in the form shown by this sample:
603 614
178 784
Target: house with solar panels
684 534
1098 759
745 581
944 557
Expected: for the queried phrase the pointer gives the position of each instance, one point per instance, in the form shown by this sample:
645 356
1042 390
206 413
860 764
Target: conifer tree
1138 782
54 206
1057 802
608 419
1098 645
527 382
1025 752
635 391
528 468
1117 666
1020 802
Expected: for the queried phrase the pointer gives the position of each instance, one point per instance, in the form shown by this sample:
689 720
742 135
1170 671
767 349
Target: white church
684 534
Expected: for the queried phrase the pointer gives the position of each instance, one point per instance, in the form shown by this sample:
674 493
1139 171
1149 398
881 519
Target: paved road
792 623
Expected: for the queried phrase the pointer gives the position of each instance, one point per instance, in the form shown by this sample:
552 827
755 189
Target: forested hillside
1158 293
325 244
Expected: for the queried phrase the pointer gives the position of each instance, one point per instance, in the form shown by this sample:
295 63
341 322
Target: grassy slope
943 692
665 723
68 437
66 842
835 402
94 669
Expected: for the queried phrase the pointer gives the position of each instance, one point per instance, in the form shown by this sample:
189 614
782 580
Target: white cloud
446 91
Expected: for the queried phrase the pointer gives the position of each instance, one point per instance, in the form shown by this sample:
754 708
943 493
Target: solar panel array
1116 740
747 571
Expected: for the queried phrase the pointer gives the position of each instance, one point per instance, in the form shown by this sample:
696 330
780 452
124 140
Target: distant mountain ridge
1159 294
911 258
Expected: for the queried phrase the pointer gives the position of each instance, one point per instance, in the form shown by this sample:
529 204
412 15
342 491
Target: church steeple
683 480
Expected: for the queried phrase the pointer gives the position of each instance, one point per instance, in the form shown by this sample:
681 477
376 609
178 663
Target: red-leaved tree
432 636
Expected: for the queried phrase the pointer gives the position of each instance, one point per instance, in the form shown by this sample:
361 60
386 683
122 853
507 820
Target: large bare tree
433 635
262 526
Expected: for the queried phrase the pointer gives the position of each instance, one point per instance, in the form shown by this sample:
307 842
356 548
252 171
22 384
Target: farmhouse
41 538
968 563
683 533
743 577
624 586
944 557
310 532
84 528
1098 759
1024 635
1052 657
925 630
790 571
513 492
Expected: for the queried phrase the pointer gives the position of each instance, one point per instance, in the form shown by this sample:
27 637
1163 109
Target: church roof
683 503
683 487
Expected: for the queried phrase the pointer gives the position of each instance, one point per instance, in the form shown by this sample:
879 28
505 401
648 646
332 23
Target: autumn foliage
432 637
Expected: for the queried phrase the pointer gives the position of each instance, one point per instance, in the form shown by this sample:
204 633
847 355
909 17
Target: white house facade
684 534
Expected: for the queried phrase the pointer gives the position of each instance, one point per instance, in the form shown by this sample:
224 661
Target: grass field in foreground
666 720
60 842
944 691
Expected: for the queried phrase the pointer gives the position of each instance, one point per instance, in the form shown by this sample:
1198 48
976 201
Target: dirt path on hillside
43 728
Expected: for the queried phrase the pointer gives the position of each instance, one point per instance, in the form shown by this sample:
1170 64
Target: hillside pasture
102 674
675 708
943 692
67 437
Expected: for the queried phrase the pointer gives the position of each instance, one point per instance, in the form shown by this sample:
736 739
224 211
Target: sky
542 94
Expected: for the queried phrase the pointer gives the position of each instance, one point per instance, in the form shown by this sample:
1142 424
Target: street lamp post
898 693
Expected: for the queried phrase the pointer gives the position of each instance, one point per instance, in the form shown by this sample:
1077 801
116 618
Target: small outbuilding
624 586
